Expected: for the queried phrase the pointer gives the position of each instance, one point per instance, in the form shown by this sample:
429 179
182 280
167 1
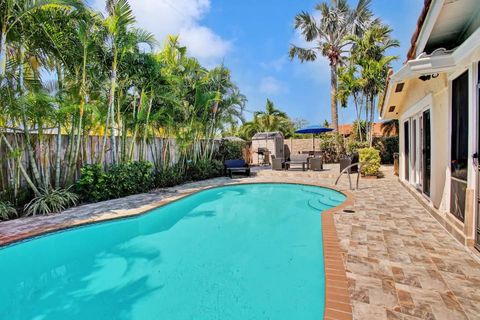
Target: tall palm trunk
83 97
145 131
357 112
21 167
25 125
333 95
136 111
58 151
3 50
119 127
105 134
58 155
111 106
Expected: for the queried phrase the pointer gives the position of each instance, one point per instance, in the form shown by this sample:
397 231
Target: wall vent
399 87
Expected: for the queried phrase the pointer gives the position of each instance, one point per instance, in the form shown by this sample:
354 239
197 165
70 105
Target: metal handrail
347 171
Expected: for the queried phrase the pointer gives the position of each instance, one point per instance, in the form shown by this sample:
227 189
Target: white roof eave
426 65
469 50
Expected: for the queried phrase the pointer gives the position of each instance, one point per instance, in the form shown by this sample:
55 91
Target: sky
252 39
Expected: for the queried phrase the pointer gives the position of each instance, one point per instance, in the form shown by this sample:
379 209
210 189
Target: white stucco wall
431 95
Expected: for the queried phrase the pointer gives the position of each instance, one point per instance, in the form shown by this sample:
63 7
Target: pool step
318 205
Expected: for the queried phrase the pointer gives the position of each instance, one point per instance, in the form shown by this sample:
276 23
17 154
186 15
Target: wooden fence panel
157 150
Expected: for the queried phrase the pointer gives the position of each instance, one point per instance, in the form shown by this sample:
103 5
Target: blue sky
252 38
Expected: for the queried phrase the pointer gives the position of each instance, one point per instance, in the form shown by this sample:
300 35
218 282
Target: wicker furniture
316 164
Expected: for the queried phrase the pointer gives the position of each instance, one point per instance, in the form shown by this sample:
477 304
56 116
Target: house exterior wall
435 95
296 146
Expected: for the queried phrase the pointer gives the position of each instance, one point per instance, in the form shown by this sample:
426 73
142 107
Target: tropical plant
270 120
329 37
7 211
229 150
145 105
51 201
370 161
122 39
368 56
390 127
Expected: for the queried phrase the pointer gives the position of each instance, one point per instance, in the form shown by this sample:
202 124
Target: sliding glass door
477 233
406 160
459 146
426 152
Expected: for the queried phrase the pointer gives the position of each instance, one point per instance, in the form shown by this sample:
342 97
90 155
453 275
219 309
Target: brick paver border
337 297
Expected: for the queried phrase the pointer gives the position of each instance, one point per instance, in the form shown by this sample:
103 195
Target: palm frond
302 53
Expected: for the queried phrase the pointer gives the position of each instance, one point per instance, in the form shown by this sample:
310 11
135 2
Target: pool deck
386 257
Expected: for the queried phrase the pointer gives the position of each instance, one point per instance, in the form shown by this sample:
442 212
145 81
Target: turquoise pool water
236 252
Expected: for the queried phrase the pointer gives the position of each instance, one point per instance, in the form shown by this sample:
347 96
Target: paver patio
400 263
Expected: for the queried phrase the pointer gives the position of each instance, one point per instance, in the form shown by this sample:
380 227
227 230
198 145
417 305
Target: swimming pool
237 252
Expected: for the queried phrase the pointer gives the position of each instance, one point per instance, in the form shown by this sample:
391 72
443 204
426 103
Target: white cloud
270 85
182 17
276 64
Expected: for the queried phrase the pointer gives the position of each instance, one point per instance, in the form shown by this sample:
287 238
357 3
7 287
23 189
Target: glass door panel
426 152
459 146
406 160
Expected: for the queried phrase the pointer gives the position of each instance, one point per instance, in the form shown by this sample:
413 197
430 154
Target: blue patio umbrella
315 129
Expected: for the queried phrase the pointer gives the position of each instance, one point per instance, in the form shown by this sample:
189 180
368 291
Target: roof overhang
444 24
436 63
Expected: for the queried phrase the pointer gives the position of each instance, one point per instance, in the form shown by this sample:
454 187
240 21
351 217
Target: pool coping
337 297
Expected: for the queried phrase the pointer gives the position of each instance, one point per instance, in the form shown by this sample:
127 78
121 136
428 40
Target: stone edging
337 297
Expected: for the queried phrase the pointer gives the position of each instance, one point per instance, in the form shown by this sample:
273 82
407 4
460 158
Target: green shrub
388 146
129 178
230 150
204 169
194 171
92 185
7 211
96 184
51 201
16 197
120 180
354 146
169 177
370 160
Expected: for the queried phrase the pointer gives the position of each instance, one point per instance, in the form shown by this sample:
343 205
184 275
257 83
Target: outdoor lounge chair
297 159
236 166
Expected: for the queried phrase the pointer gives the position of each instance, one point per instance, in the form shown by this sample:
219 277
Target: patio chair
277 163
349 160
297 159
316 164
236 166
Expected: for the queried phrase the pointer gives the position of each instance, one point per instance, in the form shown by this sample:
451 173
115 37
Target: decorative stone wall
295 146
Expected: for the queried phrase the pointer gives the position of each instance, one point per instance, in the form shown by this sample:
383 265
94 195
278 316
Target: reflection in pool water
237 252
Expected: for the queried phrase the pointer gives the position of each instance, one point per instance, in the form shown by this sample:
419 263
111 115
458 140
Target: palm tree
13 12
390 127
349 85
368 53
337 21
122 38
272 119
